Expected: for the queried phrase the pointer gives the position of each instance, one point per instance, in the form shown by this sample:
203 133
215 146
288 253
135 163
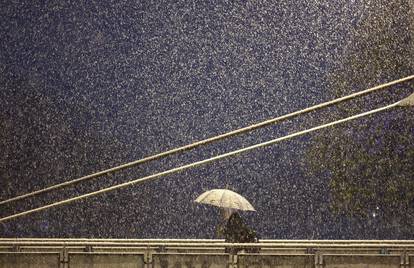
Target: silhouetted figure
236 231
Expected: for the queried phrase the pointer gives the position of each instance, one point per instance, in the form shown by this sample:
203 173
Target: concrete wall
29 260
110 260
276 260
195 260
366 261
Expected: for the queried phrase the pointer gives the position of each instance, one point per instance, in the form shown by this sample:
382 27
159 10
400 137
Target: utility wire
207 141
194 164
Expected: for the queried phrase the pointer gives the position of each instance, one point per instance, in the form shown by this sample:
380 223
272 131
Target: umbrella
409 101
225 198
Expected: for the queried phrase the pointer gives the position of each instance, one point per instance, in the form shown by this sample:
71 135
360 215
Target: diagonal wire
208 140
198 163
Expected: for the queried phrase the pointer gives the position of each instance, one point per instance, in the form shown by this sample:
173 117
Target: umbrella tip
230 188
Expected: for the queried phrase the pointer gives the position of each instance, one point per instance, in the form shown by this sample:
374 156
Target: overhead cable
194 164
208 140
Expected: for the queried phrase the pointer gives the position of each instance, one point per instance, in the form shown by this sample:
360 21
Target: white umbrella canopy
225 198
409 101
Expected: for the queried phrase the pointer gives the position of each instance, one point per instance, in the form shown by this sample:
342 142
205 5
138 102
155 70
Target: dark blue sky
86 85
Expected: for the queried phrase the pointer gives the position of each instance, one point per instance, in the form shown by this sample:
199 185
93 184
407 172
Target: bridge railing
154 253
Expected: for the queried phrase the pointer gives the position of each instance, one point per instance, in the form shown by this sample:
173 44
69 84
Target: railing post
405 260
64 258
233 260
147 258
318 260
16 248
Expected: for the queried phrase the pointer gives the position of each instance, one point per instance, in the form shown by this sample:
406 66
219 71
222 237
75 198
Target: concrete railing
154 253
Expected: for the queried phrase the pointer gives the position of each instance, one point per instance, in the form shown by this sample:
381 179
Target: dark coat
236 231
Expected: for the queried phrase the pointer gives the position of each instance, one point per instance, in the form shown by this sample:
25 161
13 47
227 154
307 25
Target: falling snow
87 85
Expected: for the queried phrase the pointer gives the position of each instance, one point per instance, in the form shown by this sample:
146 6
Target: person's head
227 212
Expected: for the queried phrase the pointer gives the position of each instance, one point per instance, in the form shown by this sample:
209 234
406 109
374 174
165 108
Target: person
234 230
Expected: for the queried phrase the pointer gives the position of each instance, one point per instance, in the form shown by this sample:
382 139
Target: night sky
88 85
